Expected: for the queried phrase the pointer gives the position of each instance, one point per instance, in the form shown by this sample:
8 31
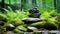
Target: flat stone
31 20
10 27
32 28
21 29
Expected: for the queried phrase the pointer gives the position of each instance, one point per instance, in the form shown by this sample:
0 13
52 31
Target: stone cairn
34 16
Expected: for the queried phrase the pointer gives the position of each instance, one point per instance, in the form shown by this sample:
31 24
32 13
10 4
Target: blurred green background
27 4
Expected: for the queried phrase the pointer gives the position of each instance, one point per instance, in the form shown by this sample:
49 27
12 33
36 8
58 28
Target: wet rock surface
31 20
10 27
2 23
31 29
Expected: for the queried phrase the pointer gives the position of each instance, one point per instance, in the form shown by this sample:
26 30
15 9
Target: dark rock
35 15
2 20
10 27
2 23
34 12
31 20
29 30
49 27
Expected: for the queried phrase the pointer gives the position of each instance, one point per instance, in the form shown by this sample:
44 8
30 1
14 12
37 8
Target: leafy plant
16 16
48 14
49 20
12 17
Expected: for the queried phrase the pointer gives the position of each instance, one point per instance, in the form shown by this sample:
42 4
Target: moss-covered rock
46 25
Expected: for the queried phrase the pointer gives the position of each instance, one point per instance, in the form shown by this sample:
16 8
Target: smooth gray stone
10 27
21 29
32 19
32 28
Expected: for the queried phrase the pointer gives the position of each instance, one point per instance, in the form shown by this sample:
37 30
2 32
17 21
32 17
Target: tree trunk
9 1
44 4
21 4
2 4
34 2
54 4
58 6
